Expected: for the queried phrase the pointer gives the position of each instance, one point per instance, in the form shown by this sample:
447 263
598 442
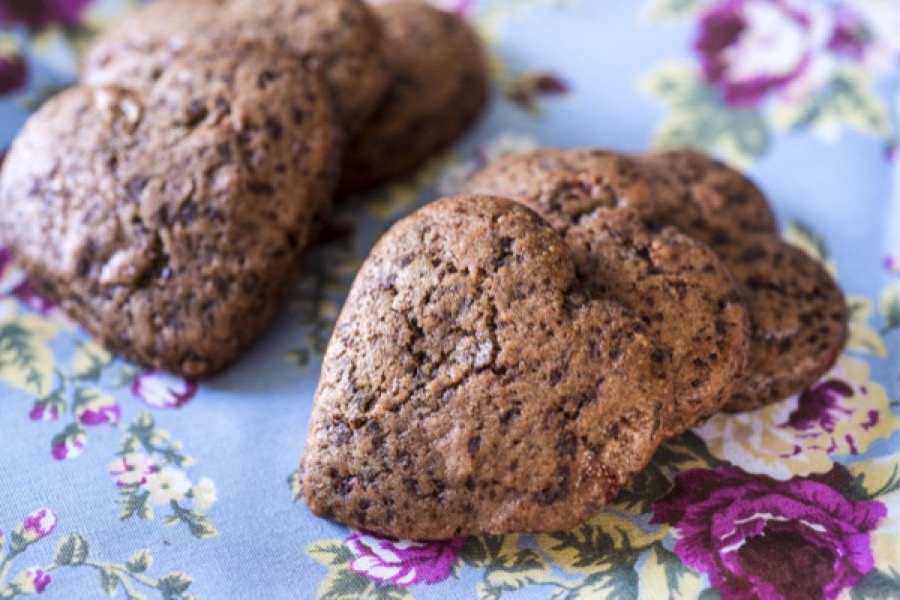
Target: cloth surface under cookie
94 451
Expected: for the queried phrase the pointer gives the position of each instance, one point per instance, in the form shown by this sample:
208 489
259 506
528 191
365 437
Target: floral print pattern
402 563
763 66
73 552
750 533
40 14
813 481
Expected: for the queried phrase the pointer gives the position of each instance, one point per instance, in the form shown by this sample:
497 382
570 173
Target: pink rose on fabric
751 48
39 524
756 537
161 390
99 410
402 563
13 73
38 14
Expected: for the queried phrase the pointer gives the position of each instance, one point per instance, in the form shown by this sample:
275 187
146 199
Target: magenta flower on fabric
66 446
821 406
38 14
39 524
43 412
757 537
27 295
13 73
161 390
98 410
402 563
750 48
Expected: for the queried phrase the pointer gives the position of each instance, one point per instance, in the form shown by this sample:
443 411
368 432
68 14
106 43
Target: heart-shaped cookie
797 313
169 224
471 384
675 283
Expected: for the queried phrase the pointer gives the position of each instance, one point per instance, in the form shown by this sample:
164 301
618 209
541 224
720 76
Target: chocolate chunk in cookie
473 386
341 38
439 87
170 223
675 283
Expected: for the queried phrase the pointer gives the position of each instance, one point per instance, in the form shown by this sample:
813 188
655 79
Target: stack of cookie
507 360
166 202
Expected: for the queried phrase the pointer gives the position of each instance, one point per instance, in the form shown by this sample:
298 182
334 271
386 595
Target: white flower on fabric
204 494
167 485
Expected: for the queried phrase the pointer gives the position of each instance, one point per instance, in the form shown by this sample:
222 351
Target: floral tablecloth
135 484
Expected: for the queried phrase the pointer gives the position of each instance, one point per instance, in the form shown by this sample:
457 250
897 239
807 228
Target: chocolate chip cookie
721 207
675 283
798 314
729 203
473 386
342 38
439 88
170 223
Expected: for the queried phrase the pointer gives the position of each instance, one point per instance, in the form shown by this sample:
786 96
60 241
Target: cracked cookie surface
675 283
472 386
439 87
797 313
340 38
729 203
170 223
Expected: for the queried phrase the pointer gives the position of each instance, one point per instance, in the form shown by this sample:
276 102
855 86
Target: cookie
564 185
684 293
342 38
675 283
472 386
698 196
170 223
439 88
798 314
729 202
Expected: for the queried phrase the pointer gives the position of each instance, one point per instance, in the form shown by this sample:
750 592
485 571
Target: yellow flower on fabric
167 485
204 494
839 416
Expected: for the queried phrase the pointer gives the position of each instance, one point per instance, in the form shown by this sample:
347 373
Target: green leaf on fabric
710 594
331 553
341 584
696 116
89 361
71 550
877 585
109 581
889 305
848 99
863 337
174 584
295 483
660 11
139 562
